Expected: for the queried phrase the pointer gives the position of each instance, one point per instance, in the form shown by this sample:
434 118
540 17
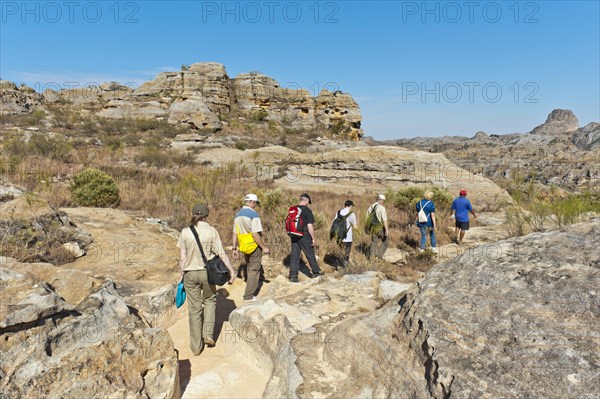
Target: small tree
92 187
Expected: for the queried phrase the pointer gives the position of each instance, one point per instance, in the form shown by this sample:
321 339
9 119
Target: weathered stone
520 318
285 333
192 110
74 248
559 121
101 349
17 100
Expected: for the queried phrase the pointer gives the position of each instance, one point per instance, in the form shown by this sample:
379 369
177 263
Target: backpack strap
195 233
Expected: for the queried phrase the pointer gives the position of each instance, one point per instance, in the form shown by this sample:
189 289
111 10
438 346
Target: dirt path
224 371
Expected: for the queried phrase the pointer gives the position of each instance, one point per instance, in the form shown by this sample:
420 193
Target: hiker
378 228
306 242
201 296
461 207
247 239
347 218
426 220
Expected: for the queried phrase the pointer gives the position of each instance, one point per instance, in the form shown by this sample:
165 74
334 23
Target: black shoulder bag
218 273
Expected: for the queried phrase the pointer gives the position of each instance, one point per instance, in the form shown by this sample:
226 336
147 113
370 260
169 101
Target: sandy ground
225 371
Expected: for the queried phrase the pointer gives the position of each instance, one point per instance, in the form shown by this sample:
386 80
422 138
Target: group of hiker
201 241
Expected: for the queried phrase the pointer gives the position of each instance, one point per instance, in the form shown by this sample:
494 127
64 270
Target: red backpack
293 222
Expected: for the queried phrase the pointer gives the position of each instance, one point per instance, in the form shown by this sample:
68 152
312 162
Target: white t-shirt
350 221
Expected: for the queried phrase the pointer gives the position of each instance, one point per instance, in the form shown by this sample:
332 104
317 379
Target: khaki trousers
253 266
202 303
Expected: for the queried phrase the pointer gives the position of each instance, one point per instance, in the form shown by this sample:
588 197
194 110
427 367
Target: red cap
463 192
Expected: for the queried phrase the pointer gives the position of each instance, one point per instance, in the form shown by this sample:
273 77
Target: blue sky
415 68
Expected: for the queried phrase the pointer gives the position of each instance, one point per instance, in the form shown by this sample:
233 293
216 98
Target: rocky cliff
556 152
203 97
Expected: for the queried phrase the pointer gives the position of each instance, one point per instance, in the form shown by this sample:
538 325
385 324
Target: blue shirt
429 207
462 206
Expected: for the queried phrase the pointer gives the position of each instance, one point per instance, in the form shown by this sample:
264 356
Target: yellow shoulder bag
246 241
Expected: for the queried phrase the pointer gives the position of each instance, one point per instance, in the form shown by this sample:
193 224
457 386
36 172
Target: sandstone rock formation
515 318
98 349
557 152
203 97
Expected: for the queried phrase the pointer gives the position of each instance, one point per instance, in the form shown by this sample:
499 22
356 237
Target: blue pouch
180 296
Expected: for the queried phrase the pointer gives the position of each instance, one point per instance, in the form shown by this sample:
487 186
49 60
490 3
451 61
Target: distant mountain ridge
556 152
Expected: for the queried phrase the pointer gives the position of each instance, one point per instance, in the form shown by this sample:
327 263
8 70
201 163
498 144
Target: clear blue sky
415 68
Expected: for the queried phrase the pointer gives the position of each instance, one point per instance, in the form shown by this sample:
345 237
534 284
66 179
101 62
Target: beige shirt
380 212
211 244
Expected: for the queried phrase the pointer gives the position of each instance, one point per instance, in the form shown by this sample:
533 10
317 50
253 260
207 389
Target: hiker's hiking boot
209 342
455 240
293 279
317 274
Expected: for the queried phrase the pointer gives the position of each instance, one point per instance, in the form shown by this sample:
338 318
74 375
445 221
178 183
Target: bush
93 187
406 199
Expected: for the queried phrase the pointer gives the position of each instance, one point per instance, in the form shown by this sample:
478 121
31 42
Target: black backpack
339 228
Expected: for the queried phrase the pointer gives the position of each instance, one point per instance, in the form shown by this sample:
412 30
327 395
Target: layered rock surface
519 319
358 168
97 349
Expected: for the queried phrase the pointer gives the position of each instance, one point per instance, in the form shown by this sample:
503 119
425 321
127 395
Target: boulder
519 319
17 100
285 333
99 349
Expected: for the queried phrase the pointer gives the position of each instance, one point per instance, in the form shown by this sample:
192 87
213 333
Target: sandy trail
224 371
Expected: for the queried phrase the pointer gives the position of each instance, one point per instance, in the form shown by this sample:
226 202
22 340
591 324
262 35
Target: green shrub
241 145
93 187
260 115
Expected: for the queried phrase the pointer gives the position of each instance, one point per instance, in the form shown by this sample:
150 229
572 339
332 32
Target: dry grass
158 182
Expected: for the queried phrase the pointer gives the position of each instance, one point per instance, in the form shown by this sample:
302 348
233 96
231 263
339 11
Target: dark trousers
346 248
304 244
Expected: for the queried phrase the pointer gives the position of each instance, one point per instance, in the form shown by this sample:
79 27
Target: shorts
464 226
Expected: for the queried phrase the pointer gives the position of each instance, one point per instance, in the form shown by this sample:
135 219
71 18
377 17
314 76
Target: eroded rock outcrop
286 332
17 100
559 121
203 97
98 349
510 319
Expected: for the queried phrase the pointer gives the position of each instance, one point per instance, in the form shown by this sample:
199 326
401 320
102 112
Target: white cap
381 197
251 197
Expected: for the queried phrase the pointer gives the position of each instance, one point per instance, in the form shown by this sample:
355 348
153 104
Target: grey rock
100 349
519 318
559 121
